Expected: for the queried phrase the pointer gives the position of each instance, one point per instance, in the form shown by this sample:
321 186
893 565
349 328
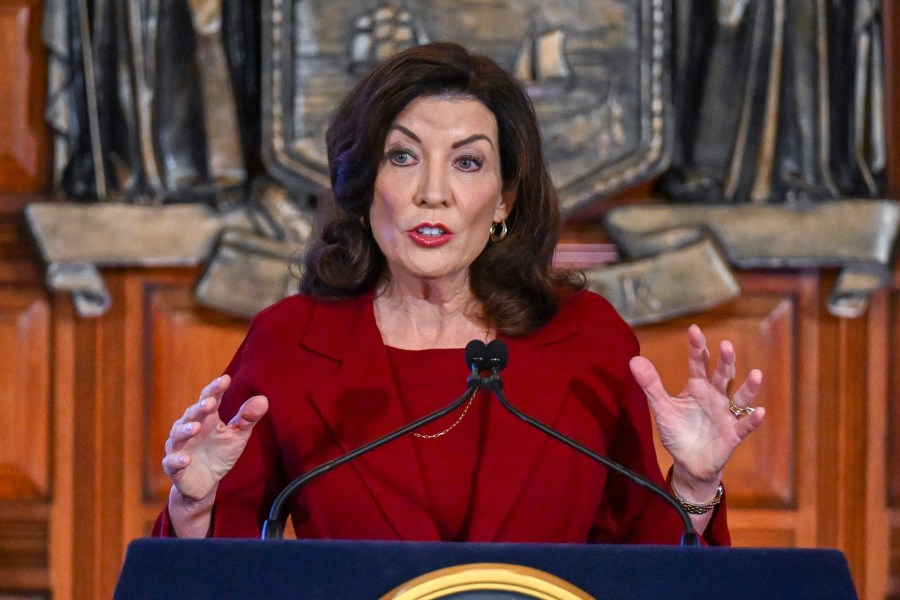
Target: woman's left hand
697 426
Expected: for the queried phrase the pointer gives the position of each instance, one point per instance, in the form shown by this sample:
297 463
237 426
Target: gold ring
739 412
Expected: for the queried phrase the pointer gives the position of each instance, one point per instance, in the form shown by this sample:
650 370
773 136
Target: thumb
250 413
647 377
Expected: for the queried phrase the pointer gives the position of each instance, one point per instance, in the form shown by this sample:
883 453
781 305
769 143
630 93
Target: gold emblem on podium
486 581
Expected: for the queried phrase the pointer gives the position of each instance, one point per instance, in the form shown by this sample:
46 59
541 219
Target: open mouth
430 231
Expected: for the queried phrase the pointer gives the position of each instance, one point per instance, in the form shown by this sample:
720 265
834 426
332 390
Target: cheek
490 210
383 219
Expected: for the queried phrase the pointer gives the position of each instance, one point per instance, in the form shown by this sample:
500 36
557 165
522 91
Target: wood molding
24 135
883 341
25 393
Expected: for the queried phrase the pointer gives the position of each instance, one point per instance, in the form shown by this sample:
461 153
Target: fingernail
182 459
188 427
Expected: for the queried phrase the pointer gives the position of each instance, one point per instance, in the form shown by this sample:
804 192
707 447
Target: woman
441 231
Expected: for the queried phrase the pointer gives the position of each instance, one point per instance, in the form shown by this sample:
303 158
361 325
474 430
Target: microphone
475 355
273 527
496 357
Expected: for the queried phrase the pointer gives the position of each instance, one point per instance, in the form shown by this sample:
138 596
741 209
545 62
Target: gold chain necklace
431 436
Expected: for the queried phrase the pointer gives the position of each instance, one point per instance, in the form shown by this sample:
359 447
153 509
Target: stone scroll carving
75 239
857 236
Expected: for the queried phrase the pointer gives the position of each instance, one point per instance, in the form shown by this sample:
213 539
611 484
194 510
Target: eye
401 156
469 163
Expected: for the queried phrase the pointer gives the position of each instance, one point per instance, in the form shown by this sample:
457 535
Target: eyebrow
463 142
472 138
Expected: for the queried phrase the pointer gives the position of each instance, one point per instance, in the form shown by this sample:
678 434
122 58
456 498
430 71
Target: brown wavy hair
513 279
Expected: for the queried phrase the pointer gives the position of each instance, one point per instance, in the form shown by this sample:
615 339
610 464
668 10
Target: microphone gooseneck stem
273 527
688 538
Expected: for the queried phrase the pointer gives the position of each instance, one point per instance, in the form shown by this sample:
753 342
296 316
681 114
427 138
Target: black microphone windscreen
475 351
497 355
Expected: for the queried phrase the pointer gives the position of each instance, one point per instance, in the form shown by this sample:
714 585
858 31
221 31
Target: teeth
430 230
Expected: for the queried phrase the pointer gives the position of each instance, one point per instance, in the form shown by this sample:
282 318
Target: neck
428 316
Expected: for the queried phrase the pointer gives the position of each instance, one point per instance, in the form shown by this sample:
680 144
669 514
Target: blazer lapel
359 403
513 447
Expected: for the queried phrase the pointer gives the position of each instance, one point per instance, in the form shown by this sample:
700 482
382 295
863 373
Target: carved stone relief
599 75
594 70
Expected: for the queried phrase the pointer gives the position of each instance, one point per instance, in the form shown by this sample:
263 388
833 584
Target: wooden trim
876 512
62 534
25 147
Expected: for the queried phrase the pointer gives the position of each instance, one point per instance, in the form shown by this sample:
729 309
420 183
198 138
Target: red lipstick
430 235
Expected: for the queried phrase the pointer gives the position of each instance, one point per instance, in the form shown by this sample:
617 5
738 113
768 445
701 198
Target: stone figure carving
151 101
777 100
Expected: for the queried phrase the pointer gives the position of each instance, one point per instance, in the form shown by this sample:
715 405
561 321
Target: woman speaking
440 230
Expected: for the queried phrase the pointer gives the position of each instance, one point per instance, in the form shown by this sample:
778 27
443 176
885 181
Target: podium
157 569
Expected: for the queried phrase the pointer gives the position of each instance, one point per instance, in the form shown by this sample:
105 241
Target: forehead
451 115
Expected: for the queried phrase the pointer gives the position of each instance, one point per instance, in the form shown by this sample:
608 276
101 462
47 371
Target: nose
434 186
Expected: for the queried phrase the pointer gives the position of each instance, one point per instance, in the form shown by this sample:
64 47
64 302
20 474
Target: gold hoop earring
501 235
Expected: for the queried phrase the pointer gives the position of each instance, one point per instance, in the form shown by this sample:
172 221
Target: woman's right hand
201 449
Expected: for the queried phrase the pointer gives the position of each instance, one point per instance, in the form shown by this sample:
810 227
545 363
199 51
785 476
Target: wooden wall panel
187 348
769 489
24 395
24 439
761 327
24 138
176 347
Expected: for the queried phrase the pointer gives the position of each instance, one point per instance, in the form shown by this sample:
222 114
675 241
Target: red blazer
325 370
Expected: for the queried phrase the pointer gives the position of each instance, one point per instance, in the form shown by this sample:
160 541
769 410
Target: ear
507 199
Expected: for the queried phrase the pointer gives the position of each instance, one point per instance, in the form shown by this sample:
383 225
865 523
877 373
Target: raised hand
201 449
702 425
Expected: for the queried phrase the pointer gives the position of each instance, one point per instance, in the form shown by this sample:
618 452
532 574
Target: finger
748 424
647 377
698 354
180 435
210 398
173 464
750 388
250 413
725 368
216 387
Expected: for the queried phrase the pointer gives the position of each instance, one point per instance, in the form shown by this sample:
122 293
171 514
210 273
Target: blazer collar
347 333
363 387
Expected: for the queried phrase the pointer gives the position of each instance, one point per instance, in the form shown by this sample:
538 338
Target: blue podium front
157 569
